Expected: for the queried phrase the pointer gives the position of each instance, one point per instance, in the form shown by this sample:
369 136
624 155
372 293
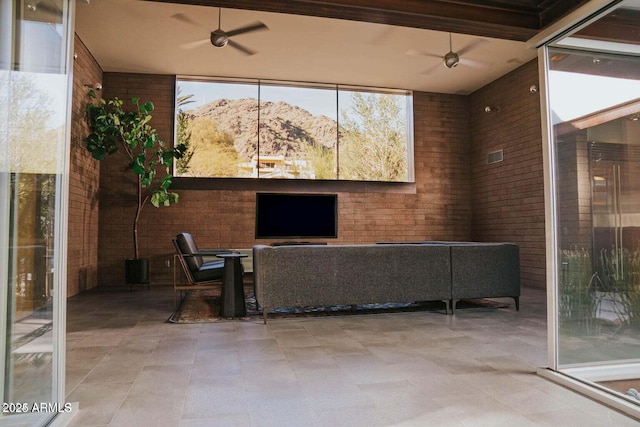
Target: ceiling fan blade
43 11
471 46
432 69
43 6
241 48
183 18
413 52
194 44
473 63
382 37
248 28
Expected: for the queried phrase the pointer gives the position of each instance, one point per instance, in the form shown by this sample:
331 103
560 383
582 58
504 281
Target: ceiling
156 37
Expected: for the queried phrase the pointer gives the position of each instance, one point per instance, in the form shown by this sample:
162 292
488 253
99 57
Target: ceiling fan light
451 60
219 39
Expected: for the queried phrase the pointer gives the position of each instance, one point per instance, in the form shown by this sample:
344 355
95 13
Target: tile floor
126 366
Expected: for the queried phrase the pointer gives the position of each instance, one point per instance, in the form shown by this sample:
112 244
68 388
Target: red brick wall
574 195
117 192
84 173
438 209
458 196
508 197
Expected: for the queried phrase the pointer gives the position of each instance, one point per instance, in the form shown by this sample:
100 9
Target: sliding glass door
34 76
593 86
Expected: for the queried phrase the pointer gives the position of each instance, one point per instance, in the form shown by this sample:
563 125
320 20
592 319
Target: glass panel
287 131
33 146
219 123
298 132
595 104
617 31
375 136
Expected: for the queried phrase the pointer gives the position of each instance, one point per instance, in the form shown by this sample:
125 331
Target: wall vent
495 157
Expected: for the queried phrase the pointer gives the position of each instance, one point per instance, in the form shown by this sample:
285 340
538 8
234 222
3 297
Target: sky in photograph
315 101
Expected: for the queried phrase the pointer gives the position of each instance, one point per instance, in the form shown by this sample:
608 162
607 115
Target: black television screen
296 215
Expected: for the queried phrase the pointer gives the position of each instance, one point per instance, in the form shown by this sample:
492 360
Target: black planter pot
137 272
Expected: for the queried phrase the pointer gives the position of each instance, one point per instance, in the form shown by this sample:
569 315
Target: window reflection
298 132
219 125
33 89
595 100
374 136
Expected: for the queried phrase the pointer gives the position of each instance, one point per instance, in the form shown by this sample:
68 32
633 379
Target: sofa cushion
350 274
485 270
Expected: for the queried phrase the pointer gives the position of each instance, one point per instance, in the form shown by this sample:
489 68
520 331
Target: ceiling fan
43 10
221 38
452 59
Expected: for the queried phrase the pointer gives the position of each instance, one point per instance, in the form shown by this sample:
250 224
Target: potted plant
577 299
114 128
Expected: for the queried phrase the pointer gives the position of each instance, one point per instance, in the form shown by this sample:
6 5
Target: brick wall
84 173
574 195
118 190
508 197
438 209
458 196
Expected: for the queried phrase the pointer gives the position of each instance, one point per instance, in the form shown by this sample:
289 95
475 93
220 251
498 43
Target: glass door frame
58 412
583 16
6 33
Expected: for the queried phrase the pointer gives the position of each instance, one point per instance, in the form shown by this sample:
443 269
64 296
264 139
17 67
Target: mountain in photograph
284 129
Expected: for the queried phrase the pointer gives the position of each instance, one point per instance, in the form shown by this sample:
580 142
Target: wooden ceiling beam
621 26
512 20
552 10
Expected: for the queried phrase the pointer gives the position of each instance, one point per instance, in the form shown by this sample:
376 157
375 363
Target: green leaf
166 157
98 154
138 168
155 199
112 125
166 182
179 151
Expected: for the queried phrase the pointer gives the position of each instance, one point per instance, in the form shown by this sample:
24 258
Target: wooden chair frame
192 284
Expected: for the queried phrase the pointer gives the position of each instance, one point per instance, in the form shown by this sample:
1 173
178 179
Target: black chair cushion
210 270
188 247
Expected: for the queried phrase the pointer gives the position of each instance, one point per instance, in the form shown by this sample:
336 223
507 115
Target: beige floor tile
127 366
99 402
222 420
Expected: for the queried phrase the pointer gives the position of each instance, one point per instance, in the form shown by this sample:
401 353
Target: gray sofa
484 270
316 275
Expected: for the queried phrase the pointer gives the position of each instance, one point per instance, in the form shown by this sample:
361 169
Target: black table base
232 303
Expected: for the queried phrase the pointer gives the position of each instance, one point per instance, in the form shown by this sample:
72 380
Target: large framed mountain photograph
281 130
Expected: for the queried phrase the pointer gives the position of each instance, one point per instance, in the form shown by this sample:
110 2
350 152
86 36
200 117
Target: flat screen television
294 216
